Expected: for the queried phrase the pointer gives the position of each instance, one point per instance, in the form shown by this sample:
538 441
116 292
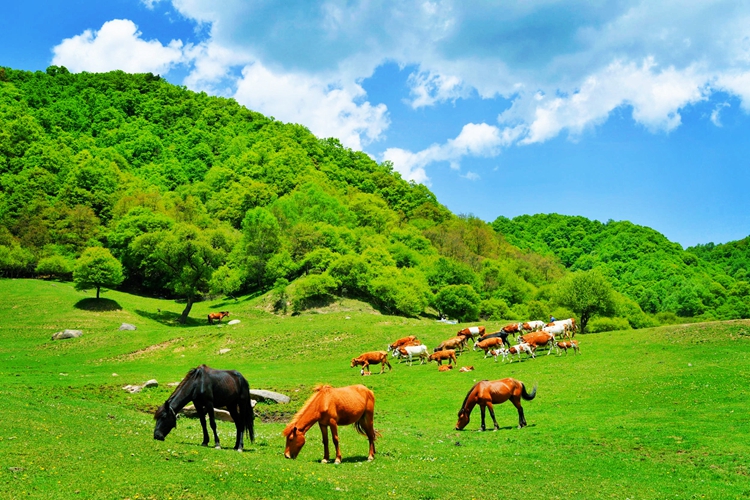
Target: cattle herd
529 336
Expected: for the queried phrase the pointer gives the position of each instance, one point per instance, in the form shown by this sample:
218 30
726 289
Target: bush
598 325
56 266
313 289
459 302
494 309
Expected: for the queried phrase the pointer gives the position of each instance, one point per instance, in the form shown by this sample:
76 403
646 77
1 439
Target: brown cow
445 368
471 332
538 339
440 356
410 340
572 344
451 343
488 344
372 358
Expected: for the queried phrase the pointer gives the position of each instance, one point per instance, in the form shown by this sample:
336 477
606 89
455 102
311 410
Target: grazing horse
208 389
217 316
493 392
410 340
332 407
471 332
372 358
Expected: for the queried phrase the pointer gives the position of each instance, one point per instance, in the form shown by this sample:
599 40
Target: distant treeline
197 196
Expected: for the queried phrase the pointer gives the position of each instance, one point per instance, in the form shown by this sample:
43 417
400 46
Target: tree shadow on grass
93 304
169 318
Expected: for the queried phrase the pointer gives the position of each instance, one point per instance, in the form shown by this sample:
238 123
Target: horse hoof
217 447
324 461
338 461
370 459
239 450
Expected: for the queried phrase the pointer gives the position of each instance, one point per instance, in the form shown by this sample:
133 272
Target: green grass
658 413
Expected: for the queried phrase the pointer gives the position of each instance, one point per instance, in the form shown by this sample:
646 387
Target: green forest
125 181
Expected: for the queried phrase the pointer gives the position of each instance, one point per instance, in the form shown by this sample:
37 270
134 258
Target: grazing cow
562 330
499 334
488 344
466 369
570 322
533 326
412 351
572 344
410 340
452 343
538 339
445 368
372 358
217 316
471 332
518 349
440 356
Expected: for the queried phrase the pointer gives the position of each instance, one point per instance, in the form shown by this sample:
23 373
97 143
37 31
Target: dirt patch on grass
142 352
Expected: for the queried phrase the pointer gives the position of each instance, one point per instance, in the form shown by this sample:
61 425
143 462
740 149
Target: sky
622 110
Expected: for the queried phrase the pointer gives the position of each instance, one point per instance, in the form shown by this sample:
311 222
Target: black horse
208 389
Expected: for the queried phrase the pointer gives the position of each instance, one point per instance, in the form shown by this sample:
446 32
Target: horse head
166 420
463 419
295 440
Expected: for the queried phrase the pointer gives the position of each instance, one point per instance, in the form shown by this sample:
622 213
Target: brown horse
331 407
489 392
217 316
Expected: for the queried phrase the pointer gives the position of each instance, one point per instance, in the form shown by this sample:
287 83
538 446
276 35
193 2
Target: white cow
412 351
532 326
570 323
556 329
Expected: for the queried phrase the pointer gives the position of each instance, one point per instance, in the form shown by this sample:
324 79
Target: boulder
224 351
219 414
151 383
264 395
132 389
67 334
234 322
127 326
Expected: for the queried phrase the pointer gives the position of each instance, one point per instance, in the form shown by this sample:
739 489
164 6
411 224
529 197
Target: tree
458 301
261 238
189 257
587 293
97 268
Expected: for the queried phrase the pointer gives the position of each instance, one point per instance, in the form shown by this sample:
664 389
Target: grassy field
658 413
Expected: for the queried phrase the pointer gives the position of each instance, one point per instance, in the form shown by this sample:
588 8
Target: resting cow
372 358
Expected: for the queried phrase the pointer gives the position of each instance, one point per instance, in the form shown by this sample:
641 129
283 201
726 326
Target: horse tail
247 414
528 396
359 425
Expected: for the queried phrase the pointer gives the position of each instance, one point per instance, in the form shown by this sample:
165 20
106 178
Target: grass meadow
640 414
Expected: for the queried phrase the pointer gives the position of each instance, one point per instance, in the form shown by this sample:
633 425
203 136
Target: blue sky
624 110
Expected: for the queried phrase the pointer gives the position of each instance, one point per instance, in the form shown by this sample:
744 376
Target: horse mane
463 405
163 408
317 390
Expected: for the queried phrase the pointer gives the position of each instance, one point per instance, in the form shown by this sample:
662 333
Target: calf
466 369
372 358
488 344
517 349
440 356
445 368
412 351
217 316
500 352
571 344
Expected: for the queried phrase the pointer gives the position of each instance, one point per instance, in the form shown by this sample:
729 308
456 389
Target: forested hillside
641 263
121 180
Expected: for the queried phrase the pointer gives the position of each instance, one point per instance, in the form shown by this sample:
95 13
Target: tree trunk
186 311
97 292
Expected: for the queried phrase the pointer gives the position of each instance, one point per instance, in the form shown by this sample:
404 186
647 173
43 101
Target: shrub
56 266
598 325
460 302
493 309
312 289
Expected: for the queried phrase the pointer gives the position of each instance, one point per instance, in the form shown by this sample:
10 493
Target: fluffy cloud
117 45
327 109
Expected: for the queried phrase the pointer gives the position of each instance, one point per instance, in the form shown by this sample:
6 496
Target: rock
219 414
173 384
127 326
234 322
132 389
115 375
263 395
67 334
151 383
224 351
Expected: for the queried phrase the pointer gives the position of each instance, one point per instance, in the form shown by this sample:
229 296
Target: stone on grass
151 383
234 322
127 326
67 334
224 351
264 395
132 389
189 411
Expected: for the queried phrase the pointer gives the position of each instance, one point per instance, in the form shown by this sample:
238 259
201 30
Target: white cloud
328 109
428 88
117 45
150 3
